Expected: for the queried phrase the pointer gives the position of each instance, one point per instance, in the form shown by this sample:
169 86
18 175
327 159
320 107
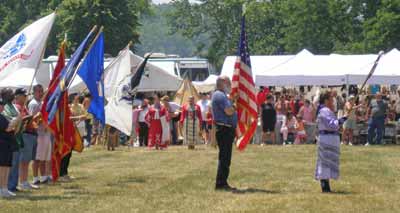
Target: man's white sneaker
7 194
367 144
28 186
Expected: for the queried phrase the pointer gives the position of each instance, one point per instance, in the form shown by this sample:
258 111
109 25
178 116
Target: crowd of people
26 141
287 117
165 122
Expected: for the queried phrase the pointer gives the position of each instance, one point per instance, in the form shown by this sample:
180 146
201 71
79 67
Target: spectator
204 104
268 118
89 119
8 145
376 124
308 113
143 126
288 127
300 131
350 124
29 137
398 105
43 150
173 113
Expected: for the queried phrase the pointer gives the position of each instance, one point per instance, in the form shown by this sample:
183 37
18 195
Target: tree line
74 19
287 26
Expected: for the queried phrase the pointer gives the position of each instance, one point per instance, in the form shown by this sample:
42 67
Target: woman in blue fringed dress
329 142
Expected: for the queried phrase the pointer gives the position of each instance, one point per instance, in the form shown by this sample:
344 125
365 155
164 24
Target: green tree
155 35
382 31
75 18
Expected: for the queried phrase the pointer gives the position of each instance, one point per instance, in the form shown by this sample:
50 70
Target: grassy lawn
273 178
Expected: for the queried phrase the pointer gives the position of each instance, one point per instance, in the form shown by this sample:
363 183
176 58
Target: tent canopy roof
308 69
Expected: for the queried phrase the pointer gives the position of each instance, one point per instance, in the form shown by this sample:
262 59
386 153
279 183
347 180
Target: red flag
243 87
65 133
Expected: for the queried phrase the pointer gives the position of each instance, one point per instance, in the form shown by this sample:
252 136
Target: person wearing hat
13 117
8 145
29 137
350 124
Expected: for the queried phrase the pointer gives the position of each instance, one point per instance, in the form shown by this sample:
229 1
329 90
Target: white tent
155 79
387 71
258 63
22 78
207 85
334 69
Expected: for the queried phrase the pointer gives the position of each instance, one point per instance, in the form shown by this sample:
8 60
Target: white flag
116 88
25 49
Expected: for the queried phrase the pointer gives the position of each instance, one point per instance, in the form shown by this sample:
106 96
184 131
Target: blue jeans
14 174
88 127
378 125
174 133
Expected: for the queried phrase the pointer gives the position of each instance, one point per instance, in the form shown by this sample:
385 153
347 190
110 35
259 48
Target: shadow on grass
41 197
254 190
341 193
127 180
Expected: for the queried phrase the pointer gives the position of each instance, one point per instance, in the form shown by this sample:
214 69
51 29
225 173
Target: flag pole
86 53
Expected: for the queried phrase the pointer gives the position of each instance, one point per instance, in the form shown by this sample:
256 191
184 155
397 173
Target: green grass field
272 179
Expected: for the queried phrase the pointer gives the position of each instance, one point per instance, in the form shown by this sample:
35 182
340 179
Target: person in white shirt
143 126
204 104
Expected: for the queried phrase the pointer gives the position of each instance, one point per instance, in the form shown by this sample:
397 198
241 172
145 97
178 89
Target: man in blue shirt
225 118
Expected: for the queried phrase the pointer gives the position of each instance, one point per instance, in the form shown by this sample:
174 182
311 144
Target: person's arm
301 111
199 116
330 121
183 115
147 117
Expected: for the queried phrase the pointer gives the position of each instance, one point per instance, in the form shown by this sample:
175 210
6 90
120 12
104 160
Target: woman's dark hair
324 96
7 95
289 113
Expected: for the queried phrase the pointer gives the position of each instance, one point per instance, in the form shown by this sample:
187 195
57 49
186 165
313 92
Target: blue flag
91 72
65 78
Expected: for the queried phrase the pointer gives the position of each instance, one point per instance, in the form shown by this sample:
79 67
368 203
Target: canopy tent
22 78
155 79
258 63
387 71
308 69
207 85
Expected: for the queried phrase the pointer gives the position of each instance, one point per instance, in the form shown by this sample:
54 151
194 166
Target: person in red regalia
158 120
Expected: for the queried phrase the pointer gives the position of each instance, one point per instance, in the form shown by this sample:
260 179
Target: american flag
243 87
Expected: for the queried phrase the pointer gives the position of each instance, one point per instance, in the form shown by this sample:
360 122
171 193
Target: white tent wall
330 70
157 80
259 64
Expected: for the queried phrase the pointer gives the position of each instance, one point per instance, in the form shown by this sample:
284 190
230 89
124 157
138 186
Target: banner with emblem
117 87
25 49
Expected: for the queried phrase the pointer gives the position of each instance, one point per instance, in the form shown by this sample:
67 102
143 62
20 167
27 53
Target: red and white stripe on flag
244 88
